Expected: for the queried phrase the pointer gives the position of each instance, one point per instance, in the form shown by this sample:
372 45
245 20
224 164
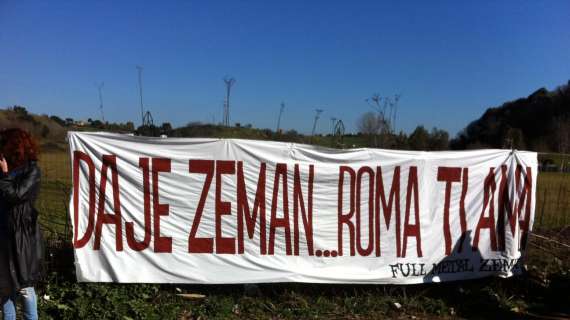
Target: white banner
182 210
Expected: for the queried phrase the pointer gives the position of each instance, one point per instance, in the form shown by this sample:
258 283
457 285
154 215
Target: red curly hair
18 147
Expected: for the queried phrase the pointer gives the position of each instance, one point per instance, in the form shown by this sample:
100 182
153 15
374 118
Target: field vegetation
540 292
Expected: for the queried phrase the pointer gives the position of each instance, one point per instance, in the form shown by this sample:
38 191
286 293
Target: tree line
378 133
539 122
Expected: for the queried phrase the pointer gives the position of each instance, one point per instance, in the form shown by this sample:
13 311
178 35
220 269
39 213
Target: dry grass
55 190
552 200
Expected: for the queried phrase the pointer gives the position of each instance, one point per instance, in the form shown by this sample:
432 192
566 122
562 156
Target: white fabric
181 191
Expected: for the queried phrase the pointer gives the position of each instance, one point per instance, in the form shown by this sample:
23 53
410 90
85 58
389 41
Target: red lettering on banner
307 215
131 241
195 244
280 174
109 161
412 230
505 210
342 217
223 244
243 212
462 214
79 156
370 246
449 175
487 222
393 202
161 244
367 195
524 194
512 213
376 203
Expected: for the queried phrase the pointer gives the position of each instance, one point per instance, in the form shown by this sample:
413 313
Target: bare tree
385 108
369 124
514 139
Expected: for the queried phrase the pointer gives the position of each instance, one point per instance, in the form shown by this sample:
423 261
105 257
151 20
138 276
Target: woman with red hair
21 244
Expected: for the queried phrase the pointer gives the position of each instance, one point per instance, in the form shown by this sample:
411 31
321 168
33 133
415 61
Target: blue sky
448 61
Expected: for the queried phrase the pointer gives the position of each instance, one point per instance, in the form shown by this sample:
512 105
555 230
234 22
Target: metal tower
100 88
279 118
317 116
140 69
229 81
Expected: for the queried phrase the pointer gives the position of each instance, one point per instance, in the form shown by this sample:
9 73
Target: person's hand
3 165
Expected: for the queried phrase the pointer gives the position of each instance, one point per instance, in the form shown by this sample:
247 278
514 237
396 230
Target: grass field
55 190
540 291
552 200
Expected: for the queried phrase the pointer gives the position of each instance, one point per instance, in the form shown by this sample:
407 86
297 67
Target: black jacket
20 237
